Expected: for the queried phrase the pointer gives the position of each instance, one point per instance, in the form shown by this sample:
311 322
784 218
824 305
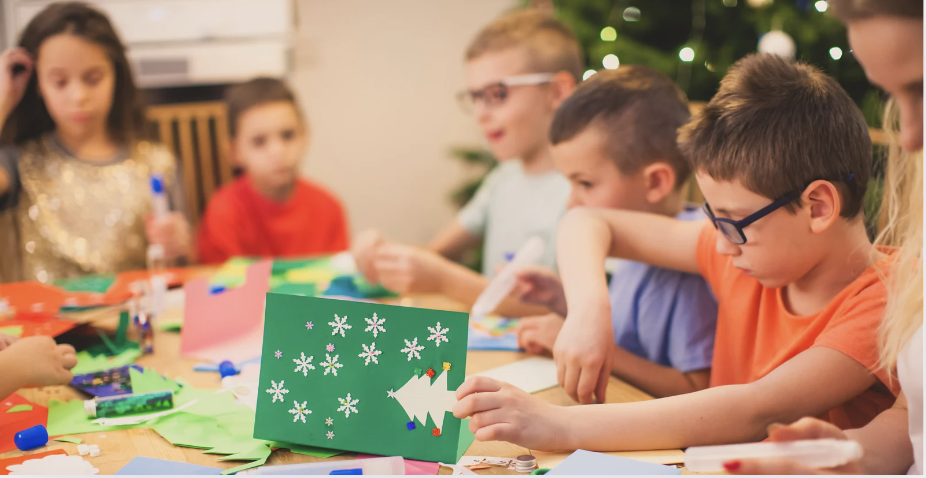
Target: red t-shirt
240 221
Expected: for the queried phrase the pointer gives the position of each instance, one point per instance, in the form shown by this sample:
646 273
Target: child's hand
6 341
172 232
409 270
39 361
803 429
364 250
541 286
12 86
501 411
538 334
583 350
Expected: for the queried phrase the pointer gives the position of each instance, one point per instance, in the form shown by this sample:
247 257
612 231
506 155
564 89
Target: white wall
377 80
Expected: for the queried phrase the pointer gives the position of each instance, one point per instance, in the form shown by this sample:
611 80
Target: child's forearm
654 379
886 441
11 378
464 286
583 241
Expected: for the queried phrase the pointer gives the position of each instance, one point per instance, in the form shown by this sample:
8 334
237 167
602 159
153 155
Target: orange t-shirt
756 333
240 221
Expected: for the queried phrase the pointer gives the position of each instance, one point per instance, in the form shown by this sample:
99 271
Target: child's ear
659 181
823 201
562 85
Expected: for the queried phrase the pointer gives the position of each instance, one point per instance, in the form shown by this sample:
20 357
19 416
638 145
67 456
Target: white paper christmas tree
420 398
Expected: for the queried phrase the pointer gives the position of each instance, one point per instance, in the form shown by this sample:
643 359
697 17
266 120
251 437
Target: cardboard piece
493 333
348 350
142 465
13 423
18 460
584 462
532 374
226 326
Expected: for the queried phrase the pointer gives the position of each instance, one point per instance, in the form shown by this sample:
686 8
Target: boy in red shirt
269 210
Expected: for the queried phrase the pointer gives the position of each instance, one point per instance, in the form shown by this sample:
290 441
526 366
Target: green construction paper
174 324
14 330
150 381
188 430
379 424
69 418
259 454
307 290
121 340
87 363
20 408
466 438
307 450
74 440
246 466
93 283
282 266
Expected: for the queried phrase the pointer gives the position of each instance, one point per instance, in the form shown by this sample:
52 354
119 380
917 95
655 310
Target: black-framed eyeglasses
496 93
732 230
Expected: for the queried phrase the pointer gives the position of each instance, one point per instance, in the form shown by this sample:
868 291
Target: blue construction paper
479 340
584 462
142 465
113 382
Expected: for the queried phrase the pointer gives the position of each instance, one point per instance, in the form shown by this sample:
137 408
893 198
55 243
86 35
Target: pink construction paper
412 467
228 325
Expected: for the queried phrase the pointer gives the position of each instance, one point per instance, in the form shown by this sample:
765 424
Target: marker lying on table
501 286
825 453
390 465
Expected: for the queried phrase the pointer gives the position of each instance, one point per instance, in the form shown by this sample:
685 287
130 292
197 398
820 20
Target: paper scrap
259 454
142 465
307 450
146 380
13 423
532 374
14 330
20 408
73 440
584 462
54 465
87 363
18 460
412 467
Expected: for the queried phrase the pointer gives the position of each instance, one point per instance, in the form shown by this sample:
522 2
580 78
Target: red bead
430 372
435 432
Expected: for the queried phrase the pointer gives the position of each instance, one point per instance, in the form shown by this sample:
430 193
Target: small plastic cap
227 369
157 184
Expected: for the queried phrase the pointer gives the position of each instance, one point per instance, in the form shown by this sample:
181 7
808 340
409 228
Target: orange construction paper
19 460
13 423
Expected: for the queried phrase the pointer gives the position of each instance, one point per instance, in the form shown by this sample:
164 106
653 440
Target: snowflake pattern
277 390
300 411
303 365
329 421
438 334
347 405
412 348
331 365
370 353
376 325
278 354
309 325
339 325
330 435
330 348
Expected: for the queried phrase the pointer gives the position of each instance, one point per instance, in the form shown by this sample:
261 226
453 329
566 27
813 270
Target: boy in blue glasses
798 285
519 68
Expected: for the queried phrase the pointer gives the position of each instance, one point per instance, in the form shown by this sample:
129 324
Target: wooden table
121 446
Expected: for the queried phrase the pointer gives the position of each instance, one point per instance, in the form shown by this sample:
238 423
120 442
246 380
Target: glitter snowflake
412 348
438 334
330 348
277 390
339 325
331 365
309 325
329 421
370 353
300 411
330 435
278 354
303 365
347 405
376 325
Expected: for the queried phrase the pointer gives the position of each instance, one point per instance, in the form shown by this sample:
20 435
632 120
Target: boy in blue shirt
614 139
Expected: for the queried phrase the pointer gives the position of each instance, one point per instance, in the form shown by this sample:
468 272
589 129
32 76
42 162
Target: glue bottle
157 262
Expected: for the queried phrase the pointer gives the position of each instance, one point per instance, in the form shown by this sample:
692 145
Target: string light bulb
836 52
608 34
588 74
821 6
611 62
686 54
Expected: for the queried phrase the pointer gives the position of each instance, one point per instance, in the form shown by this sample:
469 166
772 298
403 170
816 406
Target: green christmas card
362 377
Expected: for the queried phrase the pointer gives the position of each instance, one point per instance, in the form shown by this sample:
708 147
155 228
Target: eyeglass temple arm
768 209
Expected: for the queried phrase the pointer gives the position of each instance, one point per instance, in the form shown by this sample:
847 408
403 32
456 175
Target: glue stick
118 405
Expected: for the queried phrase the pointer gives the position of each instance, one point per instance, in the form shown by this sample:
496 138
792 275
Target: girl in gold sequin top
74 169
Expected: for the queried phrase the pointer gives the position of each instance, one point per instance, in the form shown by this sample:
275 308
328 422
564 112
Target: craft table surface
120 446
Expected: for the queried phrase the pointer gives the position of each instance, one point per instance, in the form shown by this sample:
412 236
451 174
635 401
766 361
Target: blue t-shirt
665 316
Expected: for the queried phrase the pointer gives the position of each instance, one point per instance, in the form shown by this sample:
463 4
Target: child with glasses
518 69
614 139
799 290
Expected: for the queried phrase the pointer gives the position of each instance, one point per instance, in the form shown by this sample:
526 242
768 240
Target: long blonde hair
903 200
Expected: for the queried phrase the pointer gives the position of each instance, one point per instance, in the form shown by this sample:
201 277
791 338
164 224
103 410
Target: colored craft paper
584 462
38 326
20 408
54 464
307 290
146 380
87 363
14 330
105 383
226 326
307 450
532 374
345 361
92 283
18 460
412 467
142 465
74 440
493 333
12 423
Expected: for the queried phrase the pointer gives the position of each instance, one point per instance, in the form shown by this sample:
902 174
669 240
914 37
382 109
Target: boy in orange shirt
269 211
783 156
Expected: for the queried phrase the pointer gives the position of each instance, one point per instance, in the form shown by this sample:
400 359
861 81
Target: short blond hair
550 44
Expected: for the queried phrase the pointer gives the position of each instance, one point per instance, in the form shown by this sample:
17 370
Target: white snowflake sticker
330 435
339 325
329 421
300 411
438 334
277 390
304 365
331 364
376 325
412 348
370 353
347 405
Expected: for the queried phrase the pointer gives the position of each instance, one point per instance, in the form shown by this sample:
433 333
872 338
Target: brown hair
639 109
551 45
257 91
777 125
849 10
30 119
